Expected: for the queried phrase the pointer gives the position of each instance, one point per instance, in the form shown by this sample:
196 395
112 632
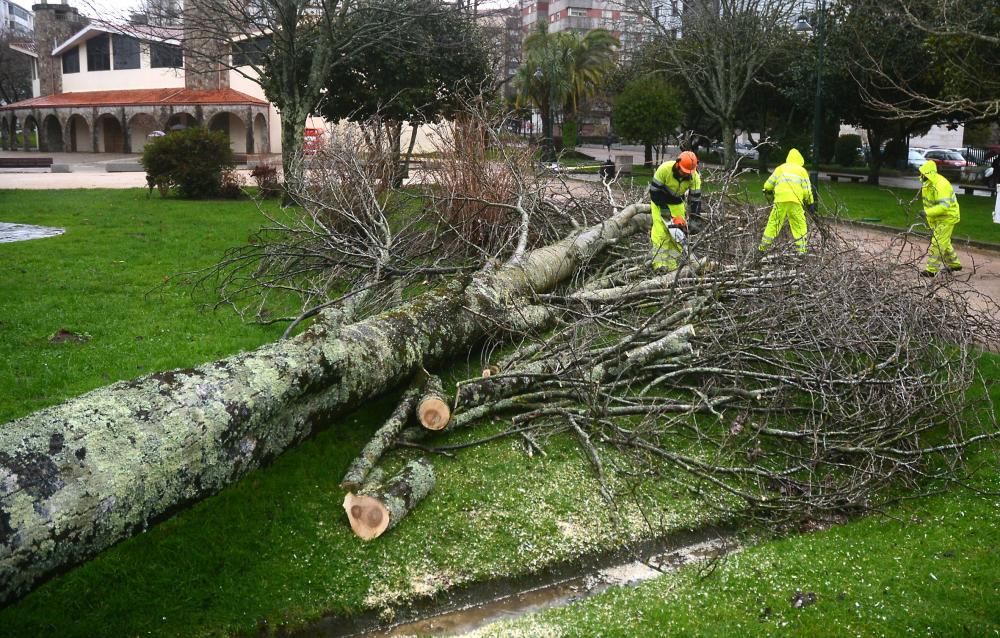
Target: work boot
955 268
927 273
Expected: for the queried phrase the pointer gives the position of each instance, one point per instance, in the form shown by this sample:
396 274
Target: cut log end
368 517
433 413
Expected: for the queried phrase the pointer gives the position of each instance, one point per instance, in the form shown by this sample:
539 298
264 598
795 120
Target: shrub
266 176
193 160
231 184
800 141
569 135
847 150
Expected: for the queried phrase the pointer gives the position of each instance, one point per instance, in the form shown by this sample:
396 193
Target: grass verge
928 566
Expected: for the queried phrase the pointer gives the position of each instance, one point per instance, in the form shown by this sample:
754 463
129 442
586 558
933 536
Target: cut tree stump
433 411
380 508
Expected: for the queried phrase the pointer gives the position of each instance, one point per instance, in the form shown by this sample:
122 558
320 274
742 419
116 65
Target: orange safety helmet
687 162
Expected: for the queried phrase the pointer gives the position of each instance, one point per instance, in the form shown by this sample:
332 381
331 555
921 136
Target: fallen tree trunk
78 477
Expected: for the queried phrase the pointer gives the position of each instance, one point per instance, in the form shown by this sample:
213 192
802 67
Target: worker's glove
812 209
769 196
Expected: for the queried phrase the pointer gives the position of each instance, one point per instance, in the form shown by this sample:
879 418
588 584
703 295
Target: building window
250 51
673 8
126 52
577 13
99 53
71 60
165 56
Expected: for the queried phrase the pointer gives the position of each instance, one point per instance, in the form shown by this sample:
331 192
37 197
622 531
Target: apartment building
15 19
632 21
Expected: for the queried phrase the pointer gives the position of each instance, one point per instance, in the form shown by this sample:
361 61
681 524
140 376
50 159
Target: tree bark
78 477
382 440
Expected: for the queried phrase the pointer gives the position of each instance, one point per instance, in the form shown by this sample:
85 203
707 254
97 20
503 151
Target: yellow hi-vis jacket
790 181
667 191
938 195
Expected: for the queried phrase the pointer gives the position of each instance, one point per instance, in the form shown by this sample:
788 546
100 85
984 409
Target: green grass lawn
931 568
104 279
276 549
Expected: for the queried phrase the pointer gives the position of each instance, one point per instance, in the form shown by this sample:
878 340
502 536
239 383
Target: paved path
980 268
87 170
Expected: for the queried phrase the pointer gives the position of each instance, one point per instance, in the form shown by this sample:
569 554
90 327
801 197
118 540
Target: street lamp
802 26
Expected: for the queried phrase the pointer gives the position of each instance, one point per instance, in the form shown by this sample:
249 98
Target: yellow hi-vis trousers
666 252
796 216
941 249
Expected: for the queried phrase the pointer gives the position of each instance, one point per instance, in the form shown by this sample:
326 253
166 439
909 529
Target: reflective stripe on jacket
938 195
666 190
790 181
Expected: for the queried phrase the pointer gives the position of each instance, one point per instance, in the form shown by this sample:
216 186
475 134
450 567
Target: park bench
834 177
124 167
971 189
25 162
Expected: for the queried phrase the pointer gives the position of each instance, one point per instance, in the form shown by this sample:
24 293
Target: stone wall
54 23
205 54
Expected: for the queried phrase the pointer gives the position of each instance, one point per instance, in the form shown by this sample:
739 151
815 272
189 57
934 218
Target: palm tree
560 70
591 58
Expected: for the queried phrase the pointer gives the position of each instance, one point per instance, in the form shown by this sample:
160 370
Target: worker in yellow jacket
671 183
789 189
941 209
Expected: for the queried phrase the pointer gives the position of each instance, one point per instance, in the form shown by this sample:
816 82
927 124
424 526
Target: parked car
916 157
947 159
747 150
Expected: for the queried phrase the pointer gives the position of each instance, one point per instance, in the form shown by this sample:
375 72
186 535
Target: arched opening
53 134
260 137
140 126
232 125
29 134
180 121
110 136
78 132
4 133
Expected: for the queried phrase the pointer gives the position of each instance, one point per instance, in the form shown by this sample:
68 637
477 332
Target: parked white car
745 149
916 157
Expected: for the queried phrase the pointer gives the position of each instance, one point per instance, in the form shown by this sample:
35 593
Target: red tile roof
137 97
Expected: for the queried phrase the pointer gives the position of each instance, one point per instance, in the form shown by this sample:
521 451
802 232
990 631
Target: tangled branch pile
799 387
